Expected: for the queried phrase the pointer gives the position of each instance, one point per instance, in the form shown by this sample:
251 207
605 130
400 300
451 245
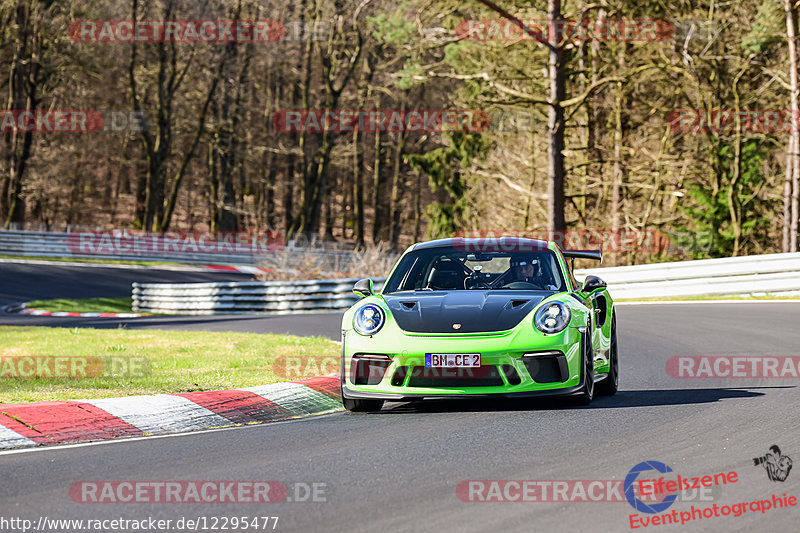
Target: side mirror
364 288
592 283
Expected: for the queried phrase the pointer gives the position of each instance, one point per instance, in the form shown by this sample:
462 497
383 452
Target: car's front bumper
513 364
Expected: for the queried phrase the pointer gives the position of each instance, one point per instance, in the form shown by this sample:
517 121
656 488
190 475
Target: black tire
586 394
362 406
608 387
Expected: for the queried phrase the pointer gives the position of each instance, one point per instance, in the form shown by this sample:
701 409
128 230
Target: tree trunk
227 154
288 195
213 186
269 192
358 175
346 208
329 215
417 207
358 193
787 196
532 184
377 223
23 85
734 203
398 186
619 138
300 222
791 37
555 126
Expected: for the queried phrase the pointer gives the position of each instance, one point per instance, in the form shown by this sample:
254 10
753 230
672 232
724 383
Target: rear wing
597 255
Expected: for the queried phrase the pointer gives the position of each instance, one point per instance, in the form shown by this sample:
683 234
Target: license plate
452 360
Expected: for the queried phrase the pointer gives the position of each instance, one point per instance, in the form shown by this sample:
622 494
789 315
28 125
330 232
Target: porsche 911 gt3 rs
471 318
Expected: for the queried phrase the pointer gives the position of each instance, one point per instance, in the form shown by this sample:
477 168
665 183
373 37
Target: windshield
449 269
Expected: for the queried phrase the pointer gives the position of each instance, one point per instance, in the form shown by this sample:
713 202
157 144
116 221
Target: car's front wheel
360 406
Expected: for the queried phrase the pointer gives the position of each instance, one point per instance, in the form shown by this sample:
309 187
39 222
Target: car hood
468 311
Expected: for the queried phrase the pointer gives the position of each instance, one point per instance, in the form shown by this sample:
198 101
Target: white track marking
11 439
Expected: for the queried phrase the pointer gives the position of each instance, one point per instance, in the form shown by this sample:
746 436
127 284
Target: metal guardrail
751 275
274 297
778 274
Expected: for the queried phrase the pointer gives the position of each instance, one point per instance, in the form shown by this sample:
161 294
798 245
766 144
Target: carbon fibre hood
476 311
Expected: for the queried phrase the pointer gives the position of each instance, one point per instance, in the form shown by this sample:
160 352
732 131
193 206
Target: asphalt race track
398 470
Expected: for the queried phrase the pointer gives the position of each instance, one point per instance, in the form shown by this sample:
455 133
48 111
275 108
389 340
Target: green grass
174 361
91 305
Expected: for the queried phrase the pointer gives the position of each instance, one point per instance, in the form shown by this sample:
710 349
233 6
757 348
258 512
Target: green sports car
480 318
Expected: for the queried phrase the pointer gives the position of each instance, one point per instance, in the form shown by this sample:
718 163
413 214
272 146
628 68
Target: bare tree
24 81
791 37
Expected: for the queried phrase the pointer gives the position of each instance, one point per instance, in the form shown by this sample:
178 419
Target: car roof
478 242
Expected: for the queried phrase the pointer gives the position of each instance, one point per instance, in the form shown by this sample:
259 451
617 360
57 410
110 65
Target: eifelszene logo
630 483
658 494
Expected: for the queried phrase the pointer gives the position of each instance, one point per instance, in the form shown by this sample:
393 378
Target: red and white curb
42 312
27 425
237 268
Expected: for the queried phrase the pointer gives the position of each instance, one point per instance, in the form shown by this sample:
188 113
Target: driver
524 269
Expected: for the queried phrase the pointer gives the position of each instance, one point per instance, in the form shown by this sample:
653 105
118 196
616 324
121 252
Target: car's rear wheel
585 395
361 406
608 387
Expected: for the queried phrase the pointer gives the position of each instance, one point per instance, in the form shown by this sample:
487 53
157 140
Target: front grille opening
368 371
546 368
511 374
399 376
483 376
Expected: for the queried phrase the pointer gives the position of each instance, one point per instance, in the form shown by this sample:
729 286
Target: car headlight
552 318
368 320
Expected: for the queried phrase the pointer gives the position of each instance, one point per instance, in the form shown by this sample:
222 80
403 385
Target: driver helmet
524 261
